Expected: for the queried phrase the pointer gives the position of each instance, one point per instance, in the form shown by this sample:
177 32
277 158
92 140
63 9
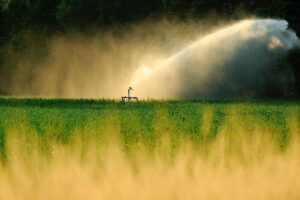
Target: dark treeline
59 16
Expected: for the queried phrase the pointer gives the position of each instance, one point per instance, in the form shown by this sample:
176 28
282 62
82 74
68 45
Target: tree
77 13
18 15
3 24
43 14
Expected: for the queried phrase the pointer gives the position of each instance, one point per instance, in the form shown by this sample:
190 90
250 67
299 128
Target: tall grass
151 150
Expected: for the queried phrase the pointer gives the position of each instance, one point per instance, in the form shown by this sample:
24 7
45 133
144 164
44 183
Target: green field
95 149
145 122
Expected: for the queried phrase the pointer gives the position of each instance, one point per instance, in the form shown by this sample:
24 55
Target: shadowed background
75 48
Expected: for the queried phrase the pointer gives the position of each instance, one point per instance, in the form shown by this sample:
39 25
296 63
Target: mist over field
101 65
235 61
163 59
216 111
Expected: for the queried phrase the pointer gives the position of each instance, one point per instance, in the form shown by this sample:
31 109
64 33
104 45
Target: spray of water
240 60
98 64
236 61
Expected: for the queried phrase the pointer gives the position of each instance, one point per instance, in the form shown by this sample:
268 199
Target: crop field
105 149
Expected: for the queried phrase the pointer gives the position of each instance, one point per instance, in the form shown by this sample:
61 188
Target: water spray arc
236 61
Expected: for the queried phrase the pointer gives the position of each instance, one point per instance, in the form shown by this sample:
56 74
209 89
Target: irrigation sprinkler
129 98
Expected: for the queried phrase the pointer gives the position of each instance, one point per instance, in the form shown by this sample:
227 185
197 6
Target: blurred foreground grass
88 149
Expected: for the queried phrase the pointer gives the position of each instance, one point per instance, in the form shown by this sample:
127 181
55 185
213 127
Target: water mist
236 61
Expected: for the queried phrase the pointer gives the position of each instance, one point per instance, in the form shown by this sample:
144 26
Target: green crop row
145 123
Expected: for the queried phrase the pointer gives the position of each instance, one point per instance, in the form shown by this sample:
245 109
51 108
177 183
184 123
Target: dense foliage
94 149
54 15
145 123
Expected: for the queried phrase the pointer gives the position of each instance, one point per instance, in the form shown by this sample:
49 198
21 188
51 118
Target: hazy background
247 59
76 48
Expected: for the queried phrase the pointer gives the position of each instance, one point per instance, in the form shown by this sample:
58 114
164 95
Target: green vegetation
146 123
98 149
105 149
52 15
